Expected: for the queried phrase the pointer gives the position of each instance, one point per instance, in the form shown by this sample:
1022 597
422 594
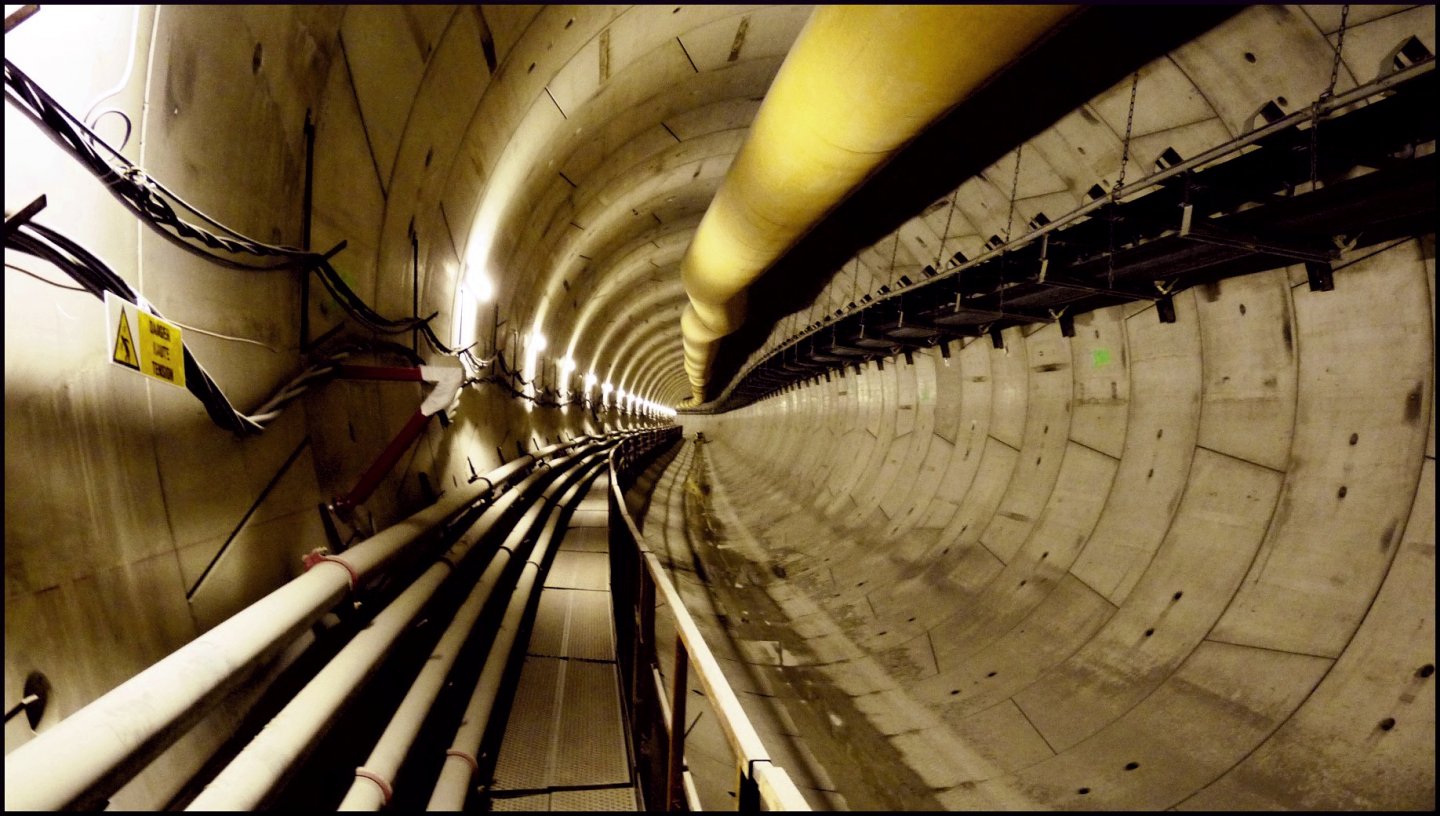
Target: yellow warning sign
144 342
125 353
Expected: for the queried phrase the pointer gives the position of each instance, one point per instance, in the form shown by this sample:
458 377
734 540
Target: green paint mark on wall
1102 357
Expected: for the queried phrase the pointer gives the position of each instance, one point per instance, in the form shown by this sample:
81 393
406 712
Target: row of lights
482 290
628 402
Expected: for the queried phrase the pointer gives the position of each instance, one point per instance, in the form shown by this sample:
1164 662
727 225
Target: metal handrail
761 782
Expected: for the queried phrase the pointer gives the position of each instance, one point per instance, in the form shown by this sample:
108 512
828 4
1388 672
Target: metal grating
525 750
589 635
529 802
590 518
594 799
579 570
573 623
547 637
587 539
591 737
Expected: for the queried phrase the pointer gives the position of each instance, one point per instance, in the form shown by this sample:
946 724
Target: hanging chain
1324 95
1010 221
1339 47
954 199
1129 127
1014 186
1120 180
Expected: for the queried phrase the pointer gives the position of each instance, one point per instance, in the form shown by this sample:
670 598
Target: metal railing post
747 790
675 784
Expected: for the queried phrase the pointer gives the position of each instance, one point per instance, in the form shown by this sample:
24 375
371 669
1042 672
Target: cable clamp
385 790
465 755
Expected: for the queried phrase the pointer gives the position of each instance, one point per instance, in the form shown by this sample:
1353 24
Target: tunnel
501 407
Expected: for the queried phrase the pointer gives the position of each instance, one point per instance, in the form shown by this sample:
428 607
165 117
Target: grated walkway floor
564 744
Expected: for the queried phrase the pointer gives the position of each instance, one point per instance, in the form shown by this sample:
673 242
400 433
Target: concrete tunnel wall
1206 548
589 150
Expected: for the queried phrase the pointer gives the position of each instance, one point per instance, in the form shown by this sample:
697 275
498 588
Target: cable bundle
160 208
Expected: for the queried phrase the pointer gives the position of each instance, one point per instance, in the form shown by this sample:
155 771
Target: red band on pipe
354 576
385 790
465 755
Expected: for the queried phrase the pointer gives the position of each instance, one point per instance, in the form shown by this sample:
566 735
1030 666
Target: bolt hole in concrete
1022 583
1355 437
1342 492
1083 791
570 22
1176 596
954 691
1044 555
256 59
1387 723
1242 309
1284 103
1149 632
429 154
1130 766
909 620
1249 57
1426 670
992 674
531 68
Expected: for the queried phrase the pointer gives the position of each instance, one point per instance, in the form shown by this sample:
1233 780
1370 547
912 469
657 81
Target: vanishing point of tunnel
500 407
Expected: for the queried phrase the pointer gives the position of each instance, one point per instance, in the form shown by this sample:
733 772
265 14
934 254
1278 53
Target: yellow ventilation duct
859 83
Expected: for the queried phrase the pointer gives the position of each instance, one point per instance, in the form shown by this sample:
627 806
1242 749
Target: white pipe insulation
289 736
93 752
456 774
389 753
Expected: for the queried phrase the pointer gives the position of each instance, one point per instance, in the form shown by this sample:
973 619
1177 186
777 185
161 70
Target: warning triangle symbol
124 346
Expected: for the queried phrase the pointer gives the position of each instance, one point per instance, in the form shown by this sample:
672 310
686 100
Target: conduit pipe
859 82
289 736
374 781
461 760
86 757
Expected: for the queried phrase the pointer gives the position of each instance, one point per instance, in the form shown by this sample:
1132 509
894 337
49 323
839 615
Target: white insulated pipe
371 789
460 761
288 737
92 753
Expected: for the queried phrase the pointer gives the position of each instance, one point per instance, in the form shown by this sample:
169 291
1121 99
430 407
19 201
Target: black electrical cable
97 278
151 201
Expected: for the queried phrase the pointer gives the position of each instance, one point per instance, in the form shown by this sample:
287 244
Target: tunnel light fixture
480 287
537 340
